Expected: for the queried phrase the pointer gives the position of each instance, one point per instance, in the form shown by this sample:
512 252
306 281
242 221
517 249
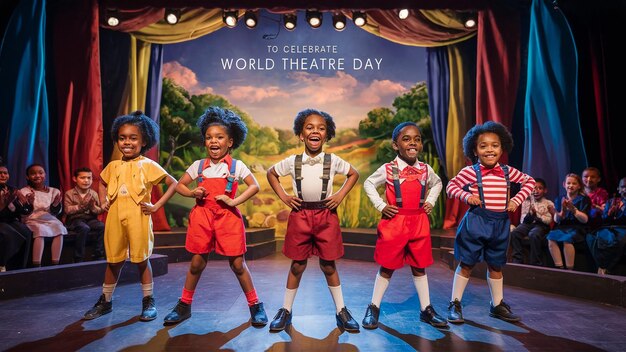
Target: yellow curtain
194 23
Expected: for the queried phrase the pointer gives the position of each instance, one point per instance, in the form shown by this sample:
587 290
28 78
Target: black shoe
281 320
431 317
455 312
503 311
148 309
257 315
346 322
180 312
371 317
99 309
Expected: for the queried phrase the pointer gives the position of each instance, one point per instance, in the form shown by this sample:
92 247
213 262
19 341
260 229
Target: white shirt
379 177
311 174
541 209
219 170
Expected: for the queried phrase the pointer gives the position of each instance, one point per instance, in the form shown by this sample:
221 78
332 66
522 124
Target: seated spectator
15 237
607 243
43 221
572 214
537 213
597 194
82 207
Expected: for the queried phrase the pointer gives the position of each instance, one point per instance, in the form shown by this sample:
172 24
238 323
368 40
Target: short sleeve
105 175
285 166
241 170
341 166
154 172
192 170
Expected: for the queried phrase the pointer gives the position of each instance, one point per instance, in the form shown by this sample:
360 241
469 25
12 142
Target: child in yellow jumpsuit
125 189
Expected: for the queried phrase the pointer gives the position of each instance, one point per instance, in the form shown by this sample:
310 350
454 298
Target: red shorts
216 228
313 232
404 239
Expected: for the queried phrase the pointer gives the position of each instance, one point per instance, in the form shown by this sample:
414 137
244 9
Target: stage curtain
553 145
438 82
427 28
77 78
24 115
196 23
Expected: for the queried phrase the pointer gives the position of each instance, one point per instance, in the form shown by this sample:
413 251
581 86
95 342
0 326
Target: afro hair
149 129
298 123
235 126
471 138
396 131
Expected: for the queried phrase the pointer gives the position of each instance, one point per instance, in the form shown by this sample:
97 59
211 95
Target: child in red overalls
411 190
313 225
214 222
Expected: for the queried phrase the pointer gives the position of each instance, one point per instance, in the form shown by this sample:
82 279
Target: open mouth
314 141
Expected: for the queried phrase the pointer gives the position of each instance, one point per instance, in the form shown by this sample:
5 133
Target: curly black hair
149 129
471 138
298 123
235 126
396 131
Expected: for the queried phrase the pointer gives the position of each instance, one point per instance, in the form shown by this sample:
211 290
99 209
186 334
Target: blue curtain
438 83
24 119
553 140
155 82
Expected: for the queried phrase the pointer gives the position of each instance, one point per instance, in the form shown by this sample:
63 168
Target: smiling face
488 149
36 176
314 134
408 144
130 141
217 142
572 186
83 180
591 178
4 175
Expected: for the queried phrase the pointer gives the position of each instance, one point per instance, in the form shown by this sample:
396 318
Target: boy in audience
82 207
537 214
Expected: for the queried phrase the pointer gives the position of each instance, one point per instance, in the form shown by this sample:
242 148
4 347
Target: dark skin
314 135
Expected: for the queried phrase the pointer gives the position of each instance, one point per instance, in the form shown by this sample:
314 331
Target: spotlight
112 17
359 18
403 14
469 19
289 21
250 19
339 21
230 18
172 16
314 18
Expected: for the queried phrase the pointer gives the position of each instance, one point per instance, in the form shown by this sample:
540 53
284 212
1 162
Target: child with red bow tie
483 233
411 190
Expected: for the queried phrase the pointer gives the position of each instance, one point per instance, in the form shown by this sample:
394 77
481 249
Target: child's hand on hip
148 208
473 200
226 199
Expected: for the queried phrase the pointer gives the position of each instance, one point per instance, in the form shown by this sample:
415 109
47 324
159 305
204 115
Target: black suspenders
325 175
479 183
396 186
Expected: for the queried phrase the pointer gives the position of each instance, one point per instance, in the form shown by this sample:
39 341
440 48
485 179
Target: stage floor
220 316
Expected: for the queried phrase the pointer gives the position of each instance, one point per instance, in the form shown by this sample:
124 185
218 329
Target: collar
402 164
306 156
134 159
228 160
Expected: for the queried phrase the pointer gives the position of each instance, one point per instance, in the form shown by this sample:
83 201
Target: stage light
403 14
339 21
112 17
250 19
290 21
230 18
314 18
172 16
469 20
359 18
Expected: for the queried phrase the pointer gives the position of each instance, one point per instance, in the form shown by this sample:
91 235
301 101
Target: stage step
33 281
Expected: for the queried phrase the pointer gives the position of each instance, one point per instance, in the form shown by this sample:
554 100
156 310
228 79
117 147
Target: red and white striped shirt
494 187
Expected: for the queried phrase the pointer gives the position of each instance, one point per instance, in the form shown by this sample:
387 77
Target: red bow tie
411 173
495 171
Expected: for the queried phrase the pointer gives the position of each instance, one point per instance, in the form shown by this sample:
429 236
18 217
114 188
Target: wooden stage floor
220 318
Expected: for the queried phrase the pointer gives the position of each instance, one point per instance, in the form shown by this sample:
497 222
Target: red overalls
405 238
213 225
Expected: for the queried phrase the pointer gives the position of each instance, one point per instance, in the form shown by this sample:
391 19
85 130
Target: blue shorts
482 235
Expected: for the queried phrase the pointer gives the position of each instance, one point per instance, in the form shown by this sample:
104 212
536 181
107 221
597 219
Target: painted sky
368 71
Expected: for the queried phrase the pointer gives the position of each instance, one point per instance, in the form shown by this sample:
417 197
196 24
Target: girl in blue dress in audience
572 215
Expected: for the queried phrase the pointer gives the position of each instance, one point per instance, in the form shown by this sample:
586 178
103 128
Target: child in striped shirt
483 233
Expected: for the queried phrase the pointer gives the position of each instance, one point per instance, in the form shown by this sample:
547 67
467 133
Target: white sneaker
601 271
